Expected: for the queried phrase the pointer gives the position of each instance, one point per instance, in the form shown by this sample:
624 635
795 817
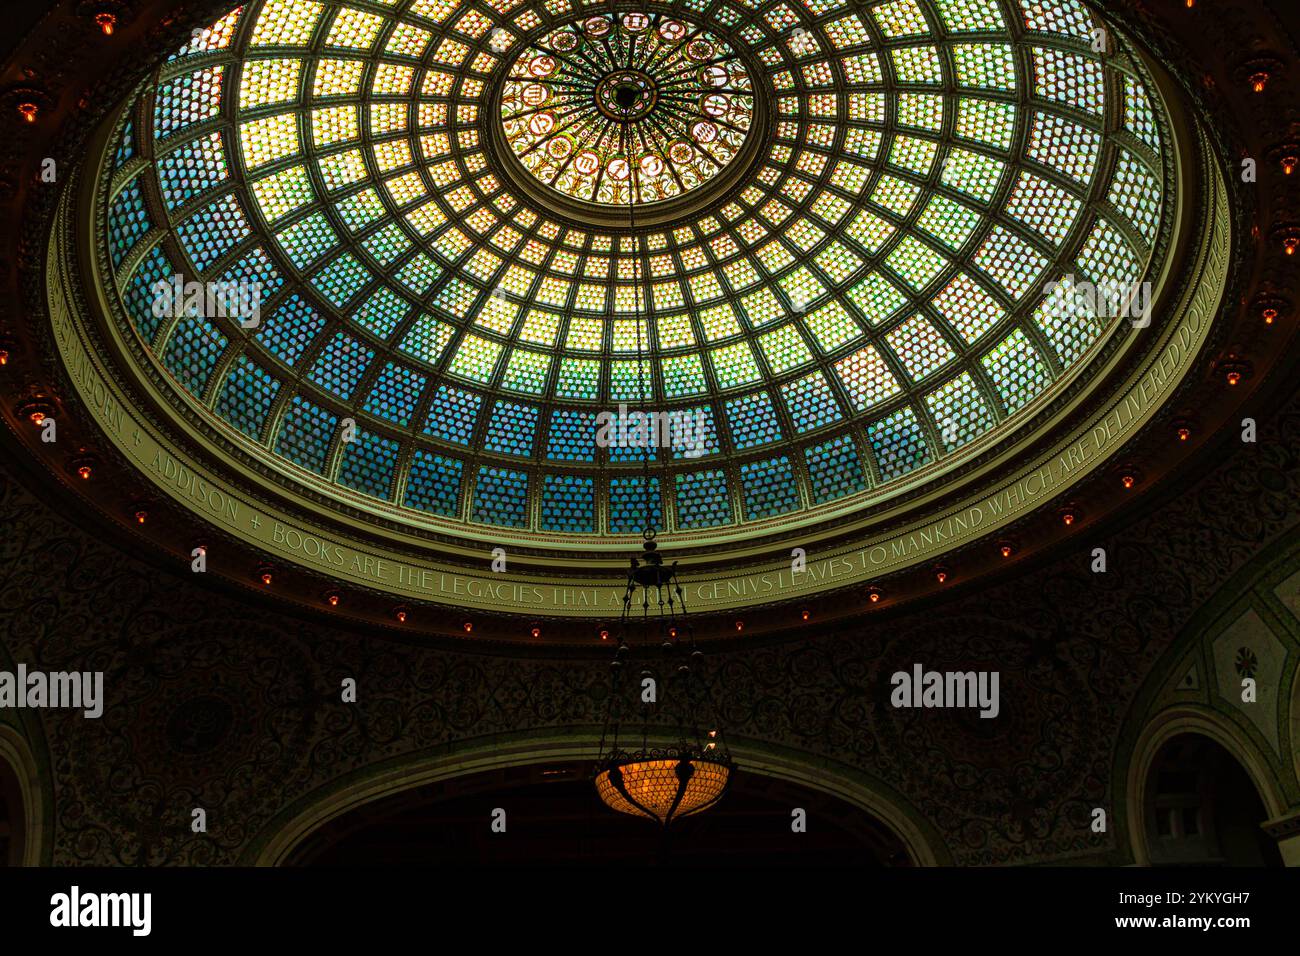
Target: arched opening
1201 808
553 814
13 822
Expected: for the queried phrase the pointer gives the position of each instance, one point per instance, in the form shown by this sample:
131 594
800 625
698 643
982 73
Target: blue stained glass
289 330
834 469
254 267
380 283
632 439
395 394
125 145
213 231
426 339
191 170
187 99
769 487
306 431
572 435
627 505
368 464
246 397
811 403
511 429
341 280
753 420
569 504
382 312
192 352
127 221
433 483
501 497
139 294
341 364
453 414
703 500
696 435
898 443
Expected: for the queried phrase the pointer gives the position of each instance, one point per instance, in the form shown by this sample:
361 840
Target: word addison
78 690
102 909
922 688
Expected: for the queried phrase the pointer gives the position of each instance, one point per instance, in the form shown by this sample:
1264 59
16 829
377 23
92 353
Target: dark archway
1202 809
554 817
13 821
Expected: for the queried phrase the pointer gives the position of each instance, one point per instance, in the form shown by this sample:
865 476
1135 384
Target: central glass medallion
627 107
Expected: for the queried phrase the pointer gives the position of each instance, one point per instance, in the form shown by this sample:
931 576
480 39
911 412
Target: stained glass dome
863 293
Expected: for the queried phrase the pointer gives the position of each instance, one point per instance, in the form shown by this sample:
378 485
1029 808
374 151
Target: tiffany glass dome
844 237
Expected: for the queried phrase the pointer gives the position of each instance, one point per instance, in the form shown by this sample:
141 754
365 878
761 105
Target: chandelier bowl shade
663 785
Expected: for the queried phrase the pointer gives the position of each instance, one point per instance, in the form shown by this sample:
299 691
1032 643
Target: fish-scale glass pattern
368 464
246 396
192 352
139 296
769 487
834 469
501 497
433 483
703 500
569 504
305 433
829 323
128 221
288 330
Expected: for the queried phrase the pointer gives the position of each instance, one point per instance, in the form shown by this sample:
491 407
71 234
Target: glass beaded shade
663 789
888 207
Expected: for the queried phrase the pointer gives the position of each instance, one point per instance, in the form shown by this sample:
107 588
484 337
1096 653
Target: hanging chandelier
665 782
685 777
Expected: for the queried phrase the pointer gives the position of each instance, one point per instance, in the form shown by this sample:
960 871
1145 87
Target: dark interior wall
228 703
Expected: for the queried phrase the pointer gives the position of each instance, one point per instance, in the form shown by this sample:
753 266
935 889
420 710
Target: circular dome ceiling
863 292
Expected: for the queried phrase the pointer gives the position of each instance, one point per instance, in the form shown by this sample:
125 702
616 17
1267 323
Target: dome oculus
630 107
